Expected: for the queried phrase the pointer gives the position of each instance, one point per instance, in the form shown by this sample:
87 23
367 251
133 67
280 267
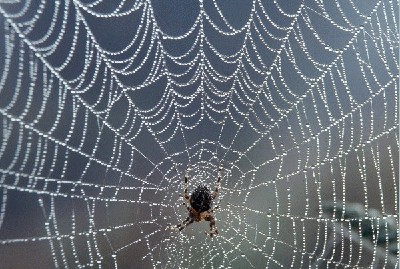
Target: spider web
103 105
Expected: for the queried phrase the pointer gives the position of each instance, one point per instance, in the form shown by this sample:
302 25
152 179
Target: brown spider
200 205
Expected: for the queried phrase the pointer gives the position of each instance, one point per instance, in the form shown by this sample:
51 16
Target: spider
200 205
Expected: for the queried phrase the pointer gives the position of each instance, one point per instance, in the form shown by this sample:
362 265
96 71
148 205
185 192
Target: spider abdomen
201 199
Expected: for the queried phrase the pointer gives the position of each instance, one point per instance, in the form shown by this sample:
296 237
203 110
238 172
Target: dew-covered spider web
104 104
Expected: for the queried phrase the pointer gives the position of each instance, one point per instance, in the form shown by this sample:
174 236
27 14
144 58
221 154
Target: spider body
201 199
200 205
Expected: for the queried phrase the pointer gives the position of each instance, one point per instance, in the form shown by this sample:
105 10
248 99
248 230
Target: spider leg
215 208
213 229
186 206
215 193
183 225
185 191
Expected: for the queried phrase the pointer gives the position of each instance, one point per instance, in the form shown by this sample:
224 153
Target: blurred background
104 104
